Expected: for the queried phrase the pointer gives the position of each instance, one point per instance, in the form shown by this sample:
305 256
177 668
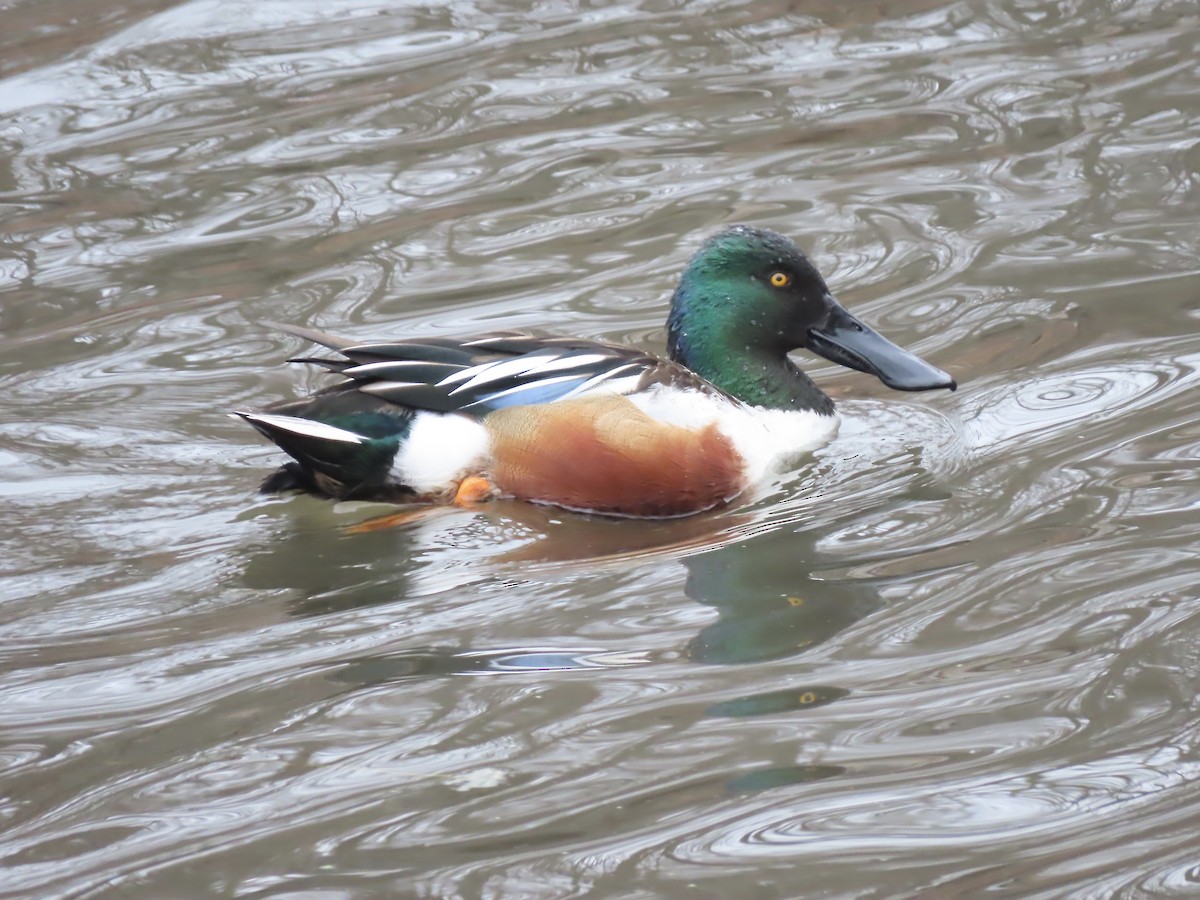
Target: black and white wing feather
480 375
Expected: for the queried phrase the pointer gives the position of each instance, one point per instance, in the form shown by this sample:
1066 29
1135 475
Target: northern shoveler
586 425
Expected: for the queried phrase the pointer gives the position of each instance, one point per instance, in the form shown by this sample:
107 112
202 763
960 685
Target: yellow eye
781 279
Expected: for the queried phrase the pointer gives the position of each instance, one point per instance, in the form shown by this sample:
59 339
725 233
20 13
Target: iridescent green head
748 297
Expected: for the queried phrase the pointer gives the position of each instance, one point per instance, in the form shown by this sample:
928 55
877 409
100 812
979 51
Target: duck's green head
750 296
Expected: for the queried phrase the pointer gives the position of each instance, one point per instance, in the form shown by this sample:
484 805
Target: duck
587 425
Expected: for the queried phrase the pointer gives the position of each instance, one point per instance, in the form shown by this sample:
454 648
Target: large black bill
845 340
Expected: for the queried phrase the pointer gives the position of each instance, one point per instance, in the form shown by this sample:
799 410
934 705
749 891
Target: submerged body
587 425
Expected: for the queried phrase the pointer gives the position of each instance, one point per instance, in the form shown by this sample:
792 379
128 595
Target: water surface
956 652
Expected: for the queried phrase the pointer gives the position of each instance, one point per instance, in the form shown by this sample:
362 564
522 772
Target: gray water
955 653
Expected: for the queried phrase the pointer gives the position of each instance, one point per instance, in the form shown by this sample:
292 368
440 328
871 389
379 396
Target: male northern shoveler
587 425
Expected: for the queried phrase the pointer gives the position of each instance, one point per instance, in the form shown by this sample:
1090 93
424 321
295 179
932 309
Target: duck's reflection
776 595
772 598
772 590
311 557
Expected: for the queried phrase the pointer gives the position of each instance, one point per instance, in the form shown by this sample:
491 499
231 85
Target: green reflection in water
808 697
772 600
780 776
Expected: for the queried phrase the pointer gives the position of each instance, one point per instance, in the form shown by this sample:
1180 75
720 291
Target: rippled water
955 653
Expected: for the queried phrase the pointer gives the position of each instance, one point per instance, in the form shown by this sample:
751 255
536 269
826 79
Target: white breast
768 439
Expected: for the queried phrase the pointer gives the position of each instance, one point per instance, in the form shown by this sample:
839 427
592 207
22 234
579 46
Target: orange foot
473 489
391 520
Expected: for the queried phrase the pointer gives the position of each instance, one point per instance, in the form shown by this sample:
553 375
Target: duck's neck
757 377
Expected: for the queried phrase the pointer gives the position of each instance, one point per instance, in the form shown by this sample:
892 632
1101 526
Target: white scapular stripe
610 382
383 387
531 386
478 375
570 362
368 369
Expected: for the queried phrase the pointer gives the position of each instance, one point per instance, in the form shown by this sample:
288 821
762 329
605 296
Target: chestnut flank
603 454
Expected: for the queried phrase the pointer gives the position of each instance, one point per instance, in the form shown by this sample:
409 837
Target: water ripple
958 645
